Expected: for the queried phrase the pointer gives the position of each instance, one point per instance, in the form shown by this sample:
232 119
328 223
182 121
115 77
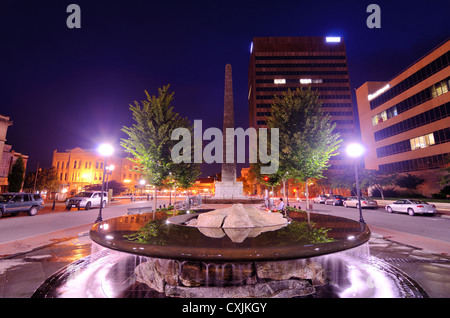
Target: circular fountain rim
225 252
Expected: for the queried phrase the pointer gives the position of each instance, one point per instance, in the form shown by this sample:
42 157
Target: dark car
335 199
13 203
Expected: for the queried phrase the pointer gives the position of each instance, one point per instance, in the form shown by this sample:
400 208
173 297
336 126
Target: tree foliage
376 179
16 176
409 181
445 177
307 140
149 140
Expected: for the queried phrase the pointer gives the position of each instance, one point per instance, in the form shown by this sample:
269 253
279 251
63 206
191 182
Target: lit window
422 141
332 39
374 120
317 80
305 81
279 81
430 139
384 115
439 89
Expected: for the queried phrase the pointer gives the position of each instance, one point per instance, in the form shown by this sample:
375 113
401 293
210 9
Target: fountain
247 253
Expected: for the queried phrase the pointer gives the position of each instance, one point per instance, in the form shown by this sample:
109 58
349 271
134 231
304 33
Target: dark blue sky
66 88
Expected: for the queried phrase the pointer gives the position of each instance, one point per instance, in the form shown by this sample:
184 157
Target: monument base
229 190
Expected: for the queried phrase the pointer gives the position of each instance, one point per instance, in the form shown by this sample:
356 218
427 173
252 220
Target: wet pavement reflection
21 276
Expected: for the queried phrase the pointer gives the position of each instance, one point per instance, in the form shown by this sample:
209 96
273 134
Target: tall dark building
280 63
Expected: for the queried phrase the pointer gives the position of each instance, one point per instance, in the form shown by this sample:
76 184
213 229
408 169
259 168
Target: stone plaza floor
21 275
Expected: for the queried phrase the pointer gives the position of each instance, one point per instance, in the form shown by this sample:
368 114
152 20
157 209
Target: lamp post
109 171
355 151
105 150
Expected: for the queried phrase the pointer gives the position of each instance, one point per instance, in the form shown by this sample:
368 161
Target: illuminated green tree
307 140
149 140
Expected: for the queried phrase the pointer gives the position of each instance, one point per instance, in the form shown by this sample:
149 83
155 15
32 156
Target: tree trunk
155 204
381 192
307 200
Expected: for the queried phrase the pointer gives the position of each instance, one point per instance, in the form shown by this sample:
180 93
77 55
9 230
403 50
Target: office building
281 63
405 123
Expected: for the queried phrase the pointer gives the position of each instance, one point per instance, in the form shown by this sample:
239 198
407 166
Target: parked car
320 198
13 203
335 199
86 200
411 207
365 202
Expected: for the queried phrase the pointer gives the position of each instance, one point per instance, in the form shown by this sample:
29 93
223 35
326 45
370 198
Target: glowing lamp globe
105 150
355 150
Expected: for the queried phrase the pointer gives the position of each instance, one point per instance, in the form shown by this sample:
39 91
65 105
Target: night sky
65 88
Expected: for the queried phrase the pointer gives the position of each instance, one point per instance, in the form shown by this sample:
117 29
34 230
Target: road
426 226
14 228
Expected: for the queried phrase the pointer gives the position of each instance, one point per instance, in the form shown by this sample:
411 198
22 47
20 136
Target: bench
180 205
140 210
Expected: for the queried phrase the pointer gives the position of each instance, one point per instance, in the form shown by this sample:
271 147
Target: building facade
405 123
78 167
281 63
7 155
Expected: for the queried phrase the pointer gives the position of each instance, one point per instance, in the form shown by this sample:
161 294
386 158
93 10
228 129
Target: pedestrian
280 205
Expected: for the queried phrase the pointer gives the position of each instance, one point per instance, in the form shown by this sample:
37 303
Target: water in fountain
327 257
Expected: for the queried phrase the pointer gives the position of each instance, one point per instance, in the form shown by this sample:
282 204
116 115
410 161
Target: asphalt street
13 228
433 227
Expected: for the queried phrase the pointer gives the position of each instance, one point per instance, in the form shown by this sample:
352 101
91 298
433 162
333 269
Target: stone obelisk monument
228 187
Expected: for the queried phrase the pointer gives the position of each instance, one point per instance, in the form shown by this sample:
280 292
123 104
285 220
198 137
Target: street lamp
355 151
109 171
104 150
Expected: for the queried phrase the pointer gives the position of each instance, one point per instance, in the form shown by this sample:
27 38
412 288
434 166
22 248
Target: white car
320 198
87 200
365 203
411 207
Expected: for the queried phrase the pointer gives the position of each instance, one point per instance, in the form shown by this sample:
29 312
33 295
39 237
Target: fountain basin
152 236
149 256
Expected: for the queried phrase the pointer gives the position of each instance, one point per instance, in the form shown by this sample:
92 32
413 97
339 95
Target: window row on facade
299 80
300 57
285 89
433 91
418 164
422 119
434 138
77 176
300 65
432 68
327 105
320 96
339 121
77 164
297 73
